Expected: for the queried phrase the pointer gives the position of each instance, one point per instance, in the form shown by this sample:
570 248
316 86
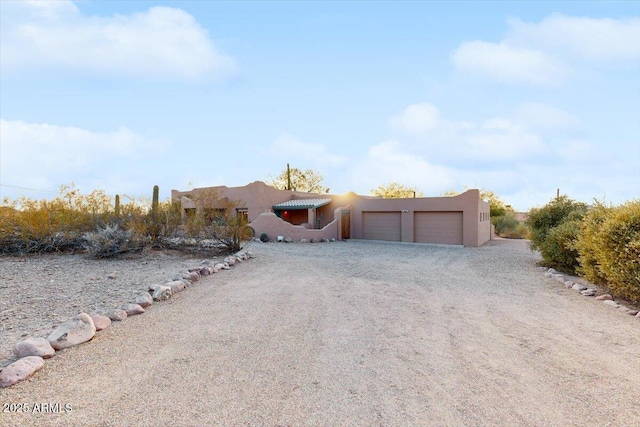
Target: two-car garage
428 227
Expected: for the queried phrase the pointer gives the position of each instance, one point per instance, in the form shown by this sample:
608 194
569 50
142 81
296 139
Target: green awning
299 204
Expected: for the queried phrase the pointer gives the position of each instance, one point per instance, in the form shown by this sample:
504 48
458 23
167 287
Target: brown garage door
381 226
438 227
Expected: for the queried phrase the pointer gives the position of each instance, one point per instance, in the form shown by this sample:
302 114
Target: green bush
507 225
609 248
553 232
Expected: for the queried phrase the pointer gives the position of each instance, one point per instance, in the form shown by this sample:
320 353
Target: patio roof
298 204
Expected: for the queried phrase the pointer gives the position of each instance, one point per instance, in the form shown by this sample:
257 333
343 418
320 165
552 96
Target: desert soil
347 333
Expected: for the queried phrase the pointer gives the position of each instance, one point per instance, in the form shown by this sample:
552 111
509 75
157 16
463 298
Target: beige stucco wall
484 227
273 226
256 197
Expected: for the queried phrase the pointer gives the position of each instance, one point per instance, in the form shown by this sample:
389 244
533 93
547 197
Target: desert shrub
609 248
558 249
110 241
520 232
264 237
507 225
231 235
36 226
556 246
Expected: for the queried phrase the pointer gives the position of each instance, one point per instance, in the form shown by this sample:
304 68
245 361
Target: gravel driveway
355 333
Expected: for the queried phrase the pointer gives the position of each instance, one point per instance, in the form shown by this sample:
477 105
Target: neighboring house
458 220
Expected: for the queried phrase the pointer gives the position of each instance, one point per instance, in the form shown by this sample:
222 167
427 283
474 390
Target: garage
438 227
381 226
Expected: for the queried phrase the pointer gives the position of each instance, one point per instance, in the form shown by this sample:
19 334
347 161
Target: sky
520 98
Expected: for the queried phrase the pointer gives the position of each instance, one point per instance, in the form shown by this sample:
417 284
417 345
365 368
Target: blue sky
520 98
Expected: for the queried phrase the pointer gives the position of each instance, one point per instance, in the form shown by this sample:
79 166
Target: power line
29 189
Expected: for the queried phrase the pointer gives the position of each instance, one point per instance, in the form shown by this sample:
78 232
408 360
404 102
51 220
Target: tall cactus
155 202
117 205
155 217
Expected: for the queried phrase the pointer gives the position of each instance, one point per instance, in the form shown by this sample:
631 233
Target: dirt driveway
360 334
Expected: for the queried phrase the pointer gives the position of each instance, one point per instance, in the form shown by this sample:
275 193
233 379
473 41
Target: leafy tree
298 180
395 190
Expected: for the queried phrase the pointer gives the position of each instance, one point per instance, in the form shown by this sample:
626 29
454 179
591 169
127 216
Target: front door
346 225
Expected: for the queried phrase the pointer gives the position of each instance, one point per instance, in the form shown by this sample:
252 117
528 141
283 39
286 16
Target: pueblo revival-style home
458 220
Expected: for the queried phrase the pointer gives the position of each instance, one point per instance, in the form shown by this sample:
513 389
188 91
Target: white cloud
390 161
495 139
416 118
160 42
545 53
44 156
590 38
510 64
288 146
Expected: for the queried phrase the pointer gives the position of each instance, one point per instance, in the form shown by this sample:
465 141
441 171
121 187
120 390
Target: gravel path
357 333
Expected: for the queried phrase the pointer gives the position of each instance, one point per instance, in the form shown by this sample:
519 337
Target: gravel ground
37 293
355 333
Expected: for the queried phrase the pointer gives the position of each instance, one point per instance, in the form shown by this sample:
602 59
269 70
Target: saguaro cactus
117 205
155 202
154 229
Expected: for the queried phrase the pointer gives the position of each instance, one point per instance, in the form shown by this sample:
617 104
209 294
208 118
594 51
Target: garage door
381 226
438 227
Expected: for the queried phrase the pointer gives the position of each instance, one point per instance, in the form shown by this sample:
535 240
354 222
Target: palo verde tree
395 190
295 179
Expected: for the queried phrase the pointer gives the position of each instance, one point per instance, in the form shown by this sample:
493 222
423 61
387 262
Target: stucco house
458 220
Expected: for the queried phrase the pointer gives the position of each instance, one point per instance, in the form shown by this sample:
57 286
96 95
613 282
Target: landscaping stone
20 370
144 300
579 287
161 293
303 241
558 277
112 276
638 315
611 303
34 347
568 284
604 297
221 266
133 309
100 322
230 260
78 329
118 315
588 292
176 286
632 312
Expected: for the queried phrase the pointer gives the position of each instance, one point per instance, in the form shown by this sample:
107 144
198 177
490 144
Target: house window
243 214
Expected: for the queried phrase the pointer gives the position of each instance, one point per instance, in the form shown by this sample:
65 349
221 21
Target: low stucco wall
273 226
